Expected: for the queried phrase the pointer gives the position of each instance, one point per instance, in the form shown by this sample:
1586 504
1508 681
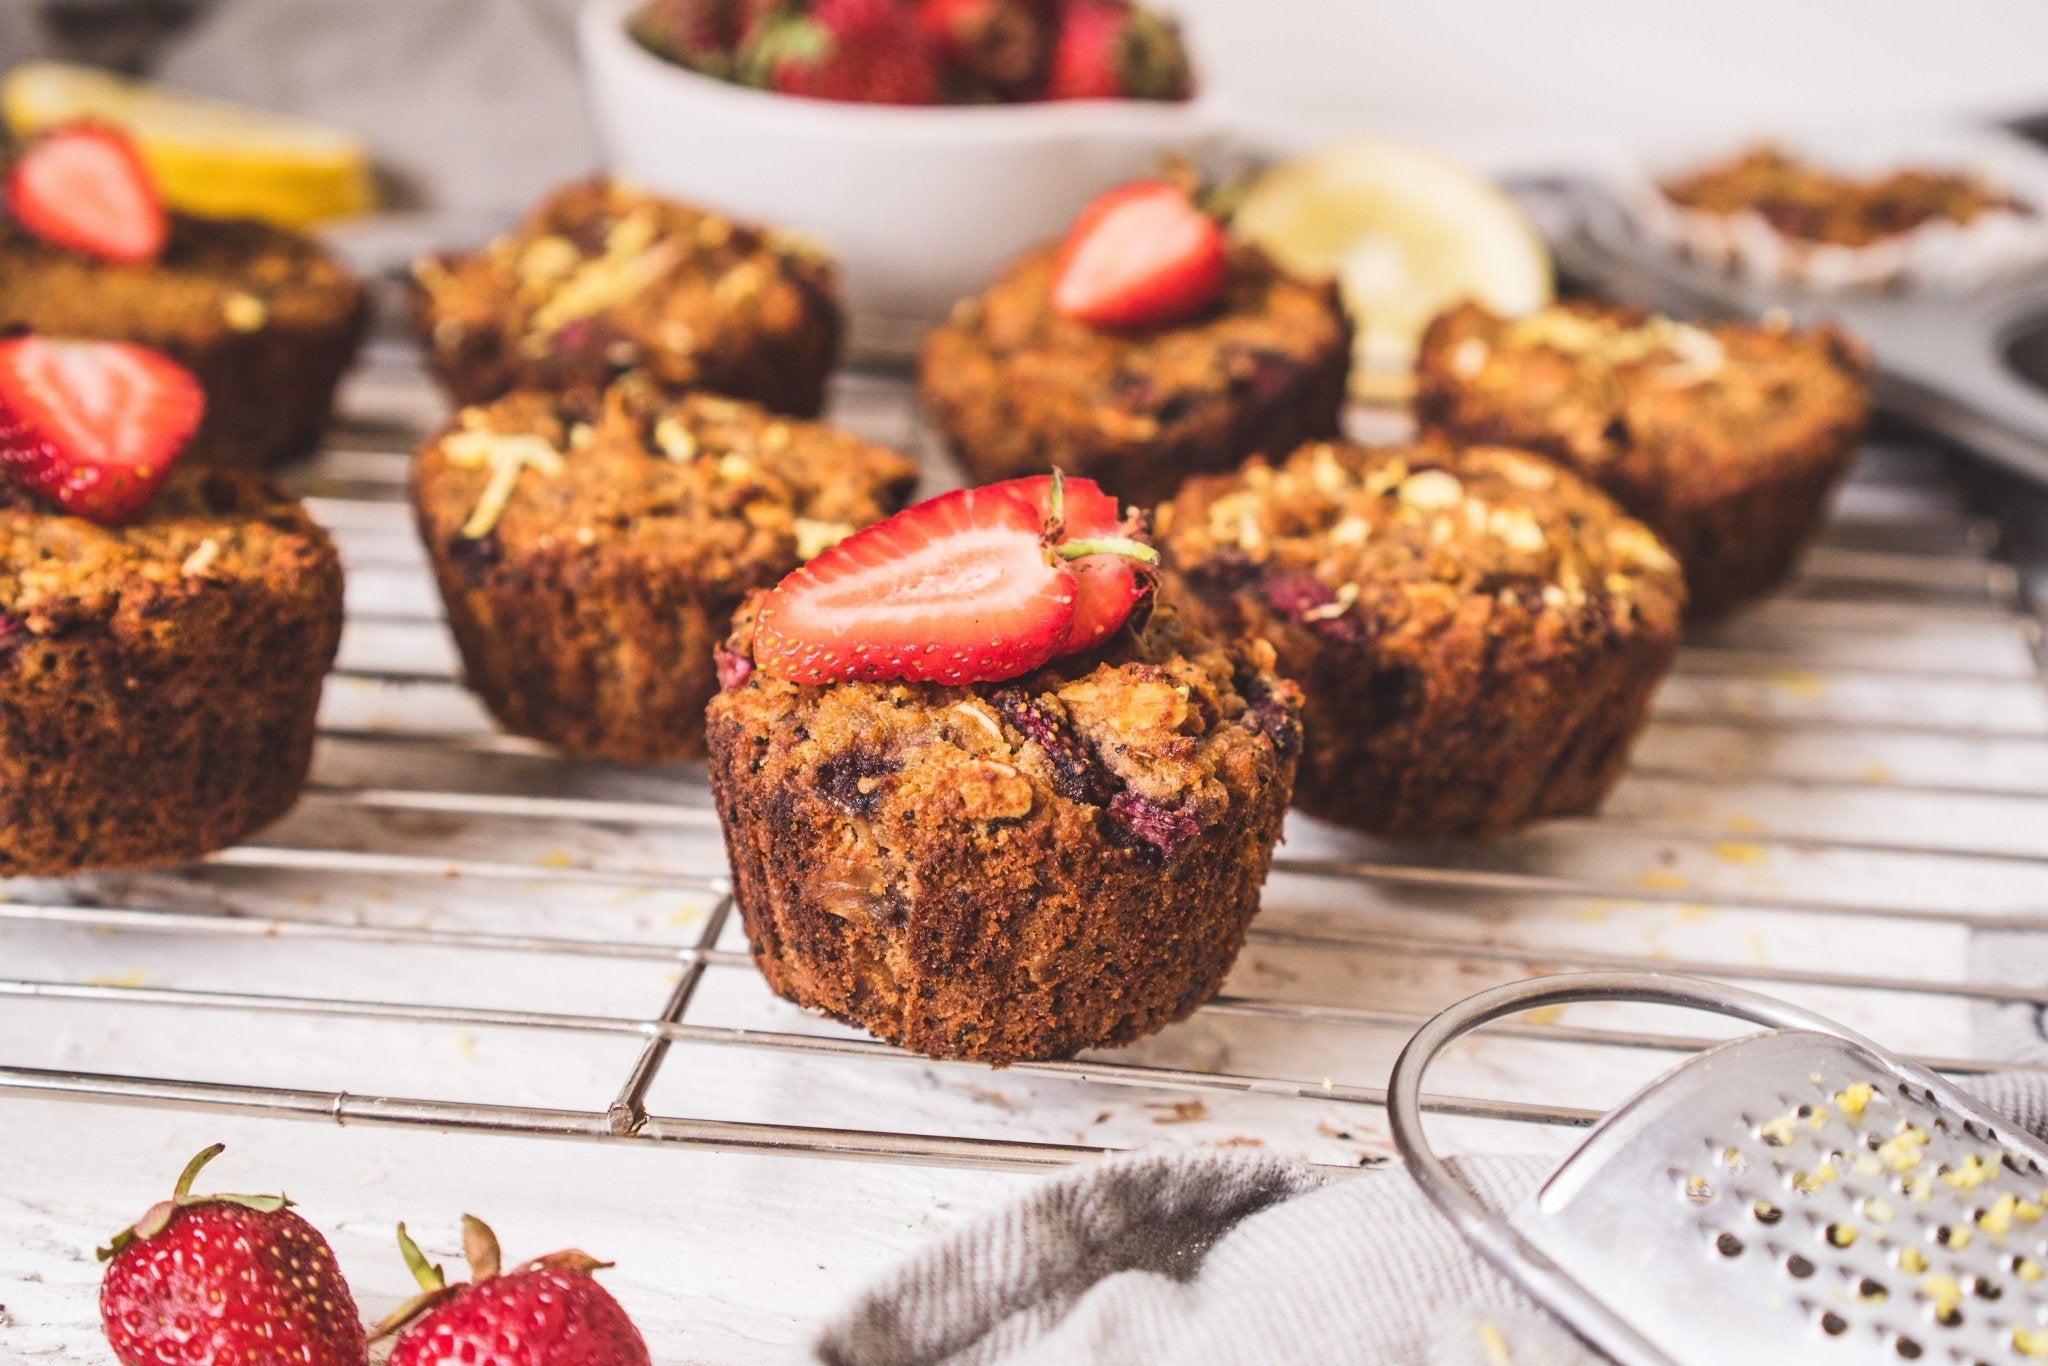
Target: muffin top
1655 404
216 275
1134 382
206 527
1815 204
1362 545
599 266
1161 728
694 479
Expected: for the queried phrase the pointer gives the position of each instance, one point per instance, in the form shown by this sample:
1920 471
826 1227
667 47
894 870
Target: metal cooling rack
1842 799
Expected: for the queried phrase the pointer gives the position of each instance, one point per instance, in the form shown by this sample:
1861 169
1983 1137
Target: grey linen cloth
1204 1258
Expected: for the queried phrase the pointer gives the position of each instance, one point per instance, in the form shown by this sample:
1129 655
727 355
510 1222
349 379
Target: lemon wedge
209 157
1406 232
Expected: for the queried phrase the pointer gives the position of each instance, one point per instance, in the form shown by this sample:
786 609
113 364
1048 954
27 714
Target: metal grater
1791 1196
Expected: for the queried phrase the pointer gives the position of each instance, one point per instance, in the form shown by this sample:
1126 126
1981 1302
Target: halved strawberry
93 426
958 589
85 188
973 586
1107 586
1142 255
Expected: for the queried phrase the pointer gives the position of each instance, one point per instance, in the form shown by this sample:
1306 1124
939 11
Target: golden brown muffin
265 318
1477 632
1726 440
591 549
159 681
1007 871
602 278
1015 388
1814 204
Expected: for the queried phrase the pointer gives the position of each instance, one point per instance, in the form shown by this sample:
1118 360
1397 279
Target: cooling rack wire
1842 799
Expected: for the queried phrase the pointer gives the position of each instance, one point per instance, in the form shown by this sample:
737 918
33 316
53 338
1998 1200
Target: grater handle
1495 1240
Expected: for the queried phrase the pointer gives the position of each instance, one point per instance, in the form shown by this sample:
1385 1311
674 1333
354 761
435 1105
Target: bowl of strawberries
924 142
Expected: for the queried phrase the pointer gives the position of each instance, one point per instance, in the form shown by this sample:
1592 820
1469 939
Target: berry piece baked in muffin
601 278
163 632
591 548
266 318
975 801
1142 350
1477 631
1726 439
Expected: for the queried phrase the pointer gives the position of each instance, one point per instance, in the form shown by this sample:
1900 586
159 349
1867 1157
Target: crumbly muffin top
216 275
1149 376
598 261
1815 204
206 526
695 475
1162 729
1359 543
1597 385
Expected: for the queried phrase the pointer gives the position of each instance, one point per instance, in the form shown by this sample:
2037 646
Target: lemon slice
209 157
1407 232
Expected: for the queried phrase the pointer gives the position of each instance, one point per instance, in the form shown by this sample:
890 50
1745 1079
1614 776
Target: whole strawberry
208 1280
1108 50
997 49
858 51
549 1312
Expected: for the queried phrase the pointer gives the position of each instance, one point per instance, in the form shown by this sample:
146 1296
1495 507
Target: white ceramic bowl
921 205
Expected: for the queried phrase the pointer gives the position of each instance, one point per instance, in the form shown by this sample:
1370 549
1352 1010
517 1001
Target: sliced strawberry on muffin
973 586
93 426
84 187
977 798
1143 255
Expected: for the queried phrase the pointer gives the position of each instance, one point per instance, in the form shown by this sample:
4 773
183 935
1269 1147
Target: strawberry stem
425 1272
183 1190
480 1248
1108 545
1056 506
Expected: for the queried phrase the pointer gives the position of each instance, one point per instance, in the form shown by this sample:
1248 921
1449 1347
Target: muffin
1727 440
1477 632
1811 203
1015 387
1010 870
158 681
591 548
266 318
601 278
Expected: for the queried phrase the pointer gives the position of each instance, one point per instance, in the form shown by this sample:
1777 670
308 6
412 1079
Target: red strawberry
972 586
550 1312
1110 50
218 1279
84 187
1142 255
693 33
858 51
1107 586
998 47
93 426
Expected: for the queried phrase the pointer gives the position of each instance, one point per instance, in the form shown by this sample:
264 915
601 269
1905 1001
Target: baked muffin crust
158 682
1477 632
602 278
1725 439
1012 870
1015 388
267 319
591 548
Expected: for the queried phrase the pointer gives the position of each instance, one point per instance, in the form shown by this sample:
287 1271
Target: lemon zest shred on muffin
507 455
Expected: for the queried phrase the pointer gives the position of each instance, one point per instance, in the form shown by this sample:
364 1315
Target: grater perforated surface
1793 1192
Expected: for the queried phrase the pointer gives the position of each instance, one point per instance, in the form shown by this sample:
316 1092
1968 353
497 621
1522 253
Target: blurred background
479 97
